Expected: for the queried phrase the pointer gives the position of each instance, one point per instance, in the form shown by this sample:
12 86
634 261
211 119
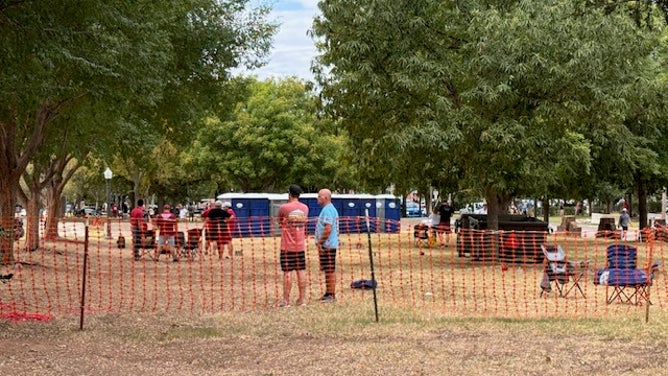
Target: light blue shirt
328 215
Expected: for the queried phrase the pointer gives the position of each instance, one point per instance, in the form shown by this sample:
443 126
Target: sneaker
300 303
328 298
283 304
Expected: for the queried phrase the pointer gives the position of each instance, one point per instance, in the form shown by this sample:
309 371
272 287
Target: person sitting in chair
166 222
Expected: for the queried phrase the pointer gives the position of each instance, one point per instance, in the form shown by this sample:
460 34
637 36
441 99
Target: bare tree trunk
33 222
496 203
53 214
7 205
641 186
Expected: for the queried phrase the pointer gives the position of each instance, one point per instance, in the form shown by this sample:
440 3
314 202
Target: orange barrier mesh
469 274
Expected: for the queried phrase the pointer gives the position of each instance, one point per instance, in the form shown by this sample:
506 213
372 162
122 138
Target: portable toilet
349 209
368 202
311 201
252 212
389 212
275 202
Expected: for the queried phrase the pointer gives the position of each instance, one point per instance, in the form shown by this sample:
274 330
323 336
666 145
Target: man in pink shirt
292 218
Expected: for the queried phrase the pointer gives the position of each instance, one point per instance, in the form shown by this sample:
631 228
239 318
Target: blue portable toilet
275 202
348 207
252 211
389 212
311 201
368 202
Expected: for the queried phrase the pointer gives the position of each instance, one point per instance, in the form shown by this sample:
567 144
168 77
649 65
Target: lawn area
333 339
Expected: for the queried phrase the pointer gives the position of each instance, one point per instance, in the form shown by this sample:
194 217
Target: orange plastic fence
468 274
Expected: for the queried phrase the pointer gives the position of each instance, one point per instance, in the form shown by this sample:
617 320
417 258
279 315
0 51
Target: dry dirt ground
329 340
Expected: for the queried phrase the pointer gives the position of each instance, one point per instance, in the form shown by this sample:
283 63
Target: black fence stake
373 275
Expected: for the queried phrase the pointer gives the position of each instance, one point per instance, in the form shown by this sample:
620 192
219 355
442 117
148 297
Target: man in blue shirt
327 241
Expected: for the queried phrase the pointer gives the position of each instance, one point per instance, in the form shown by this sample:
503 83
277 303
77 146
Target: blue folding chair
629 284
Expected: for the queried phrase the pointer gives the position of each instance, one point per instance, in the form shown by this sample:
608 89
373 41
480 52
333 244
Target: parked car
87 212
413 210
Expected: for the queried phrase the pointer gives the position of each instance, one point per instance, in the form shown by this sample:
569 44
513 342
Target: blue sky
292 50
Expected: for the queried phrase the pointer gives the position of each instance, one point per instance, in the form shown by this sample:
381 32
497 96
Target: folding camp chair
188 248
629 284
565 275
143 242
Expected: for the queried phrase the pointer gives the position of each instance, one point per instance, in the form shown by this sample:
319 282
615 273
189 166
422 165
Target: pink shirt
292 218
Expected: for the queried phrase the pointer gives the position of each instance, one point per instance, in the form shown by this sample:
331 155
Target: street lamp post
107 176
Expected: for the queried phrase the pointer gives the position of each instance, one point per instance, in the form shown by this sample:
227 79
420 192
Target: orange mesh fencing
468 274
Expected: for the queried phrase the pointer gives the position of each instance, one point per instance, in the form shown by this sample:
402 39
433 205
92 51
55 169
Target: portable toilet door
348 213
380 215
241 206
392 213
241 209
368 202
252 211
260 219
275 202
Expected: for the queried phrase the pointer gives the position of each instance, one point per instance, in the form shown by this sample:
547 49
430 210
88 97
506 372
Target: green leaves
507 94
272 139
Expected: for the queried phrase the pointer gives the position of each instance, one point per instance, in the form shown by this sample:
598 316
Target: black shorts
328 259
293 261
444 228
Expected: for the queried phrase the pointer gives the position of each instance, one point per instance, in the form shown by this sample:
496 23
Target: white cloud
293 49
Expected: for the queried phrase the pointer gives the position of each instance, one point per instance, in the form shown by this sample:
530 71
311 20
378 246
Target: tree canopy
497 93
272 138
141 65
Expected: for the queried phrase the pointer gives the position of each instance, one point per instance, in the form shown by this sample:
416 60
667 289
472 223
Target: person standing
206 239
216 219
183 212
327 241
292 219
624 220
445 212
231 223
138 226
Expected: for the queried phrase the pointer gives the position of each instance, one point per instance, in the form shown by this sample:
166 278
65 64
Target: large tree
272 138
139 57
500 87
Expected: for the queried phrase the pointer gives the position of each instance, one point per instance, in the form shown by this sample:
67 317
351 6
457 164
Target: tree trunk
53 213
641 186
546 209
496 203
7 210
33 220
630 203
